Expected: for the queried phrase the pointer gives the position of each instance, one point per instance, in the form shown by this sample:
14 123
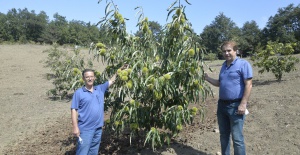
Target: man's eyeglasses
89 77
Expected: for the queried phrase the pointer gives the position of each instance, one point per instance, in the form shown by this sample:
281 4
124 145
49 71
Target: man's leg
237 123
224 127
94 149
84 145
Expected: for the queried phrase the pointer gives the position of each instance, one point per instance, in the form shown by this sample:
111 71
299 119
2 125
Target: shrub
66 68
211 56
277 58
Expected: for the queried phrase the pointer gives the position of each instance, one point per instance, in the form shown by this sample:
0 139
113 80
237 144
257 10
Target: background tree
25 21
41 24
220 30
32 25
57 30
93 33
13 23
78 33
24 26
250 38
102 33
284 27
4 26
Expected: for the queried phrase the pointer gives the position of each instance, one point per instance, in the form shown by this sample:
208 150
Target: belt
230 101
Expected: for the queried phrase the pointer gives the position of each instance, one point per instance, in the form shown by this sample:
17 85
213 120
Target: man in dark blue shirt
87 112
235 84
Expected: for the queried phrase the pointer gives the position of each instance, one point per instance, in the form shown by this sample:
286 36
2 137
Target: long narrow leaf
172 4
188 2
107 8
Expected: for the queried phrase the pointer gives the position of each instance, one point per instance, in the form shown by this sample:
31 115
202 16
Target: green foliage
211 56
155 28
284 26
277 58
250 38
24 27
66 68
220 30
165 76
57 30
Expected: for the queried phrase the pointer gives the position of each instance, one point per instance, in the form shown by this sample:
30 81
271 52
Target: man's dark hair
87 70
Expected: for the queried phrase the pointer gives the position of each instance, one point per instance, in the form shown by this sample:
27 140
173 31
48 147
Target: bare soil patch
31 123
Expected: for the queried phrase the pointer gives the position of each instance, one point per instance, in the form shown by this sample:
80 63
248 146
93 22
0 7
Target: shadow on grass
174 148
263 83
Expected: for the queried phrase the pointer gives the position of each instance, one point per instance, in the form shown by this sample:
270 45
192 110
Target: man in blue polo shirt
87 112
235 84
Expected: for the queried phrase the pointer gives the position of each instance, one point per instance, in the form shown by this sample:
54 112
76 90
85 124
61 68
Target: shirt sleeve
104 86
247 71
75 101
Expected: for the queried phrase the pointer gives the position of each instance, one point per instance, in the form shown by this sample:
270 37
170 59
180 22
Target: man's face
89 78
228 53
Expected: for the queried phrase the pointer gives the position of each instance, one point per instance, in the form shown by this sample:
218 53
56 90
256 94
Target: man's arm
111 81
74 116
211 80
243 105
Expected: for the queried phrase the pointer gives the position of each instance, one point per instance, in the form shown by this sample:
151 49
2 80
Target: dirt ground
33 124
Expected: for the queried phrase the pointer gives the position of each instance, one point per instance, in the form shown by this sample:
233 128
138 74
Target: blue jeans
90 143
230 123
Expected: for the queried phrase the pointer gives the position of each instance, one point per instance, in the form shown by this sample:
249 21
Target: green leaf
172 5
107 8
188 2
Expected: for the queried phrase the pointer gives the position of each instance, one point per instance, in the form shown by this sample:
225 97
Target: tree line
24 26
283 27
27 26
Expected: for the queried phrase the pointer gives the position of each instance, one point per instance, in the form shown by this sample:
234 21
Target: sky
200 13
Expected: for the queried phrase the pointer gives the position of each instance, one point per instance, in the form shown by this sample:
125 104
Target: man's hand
113 78
242 108
76 131
124 66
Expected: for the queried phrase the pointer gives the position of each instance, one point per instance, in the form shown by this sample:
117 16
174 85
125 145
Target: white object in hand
80 140
246 112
